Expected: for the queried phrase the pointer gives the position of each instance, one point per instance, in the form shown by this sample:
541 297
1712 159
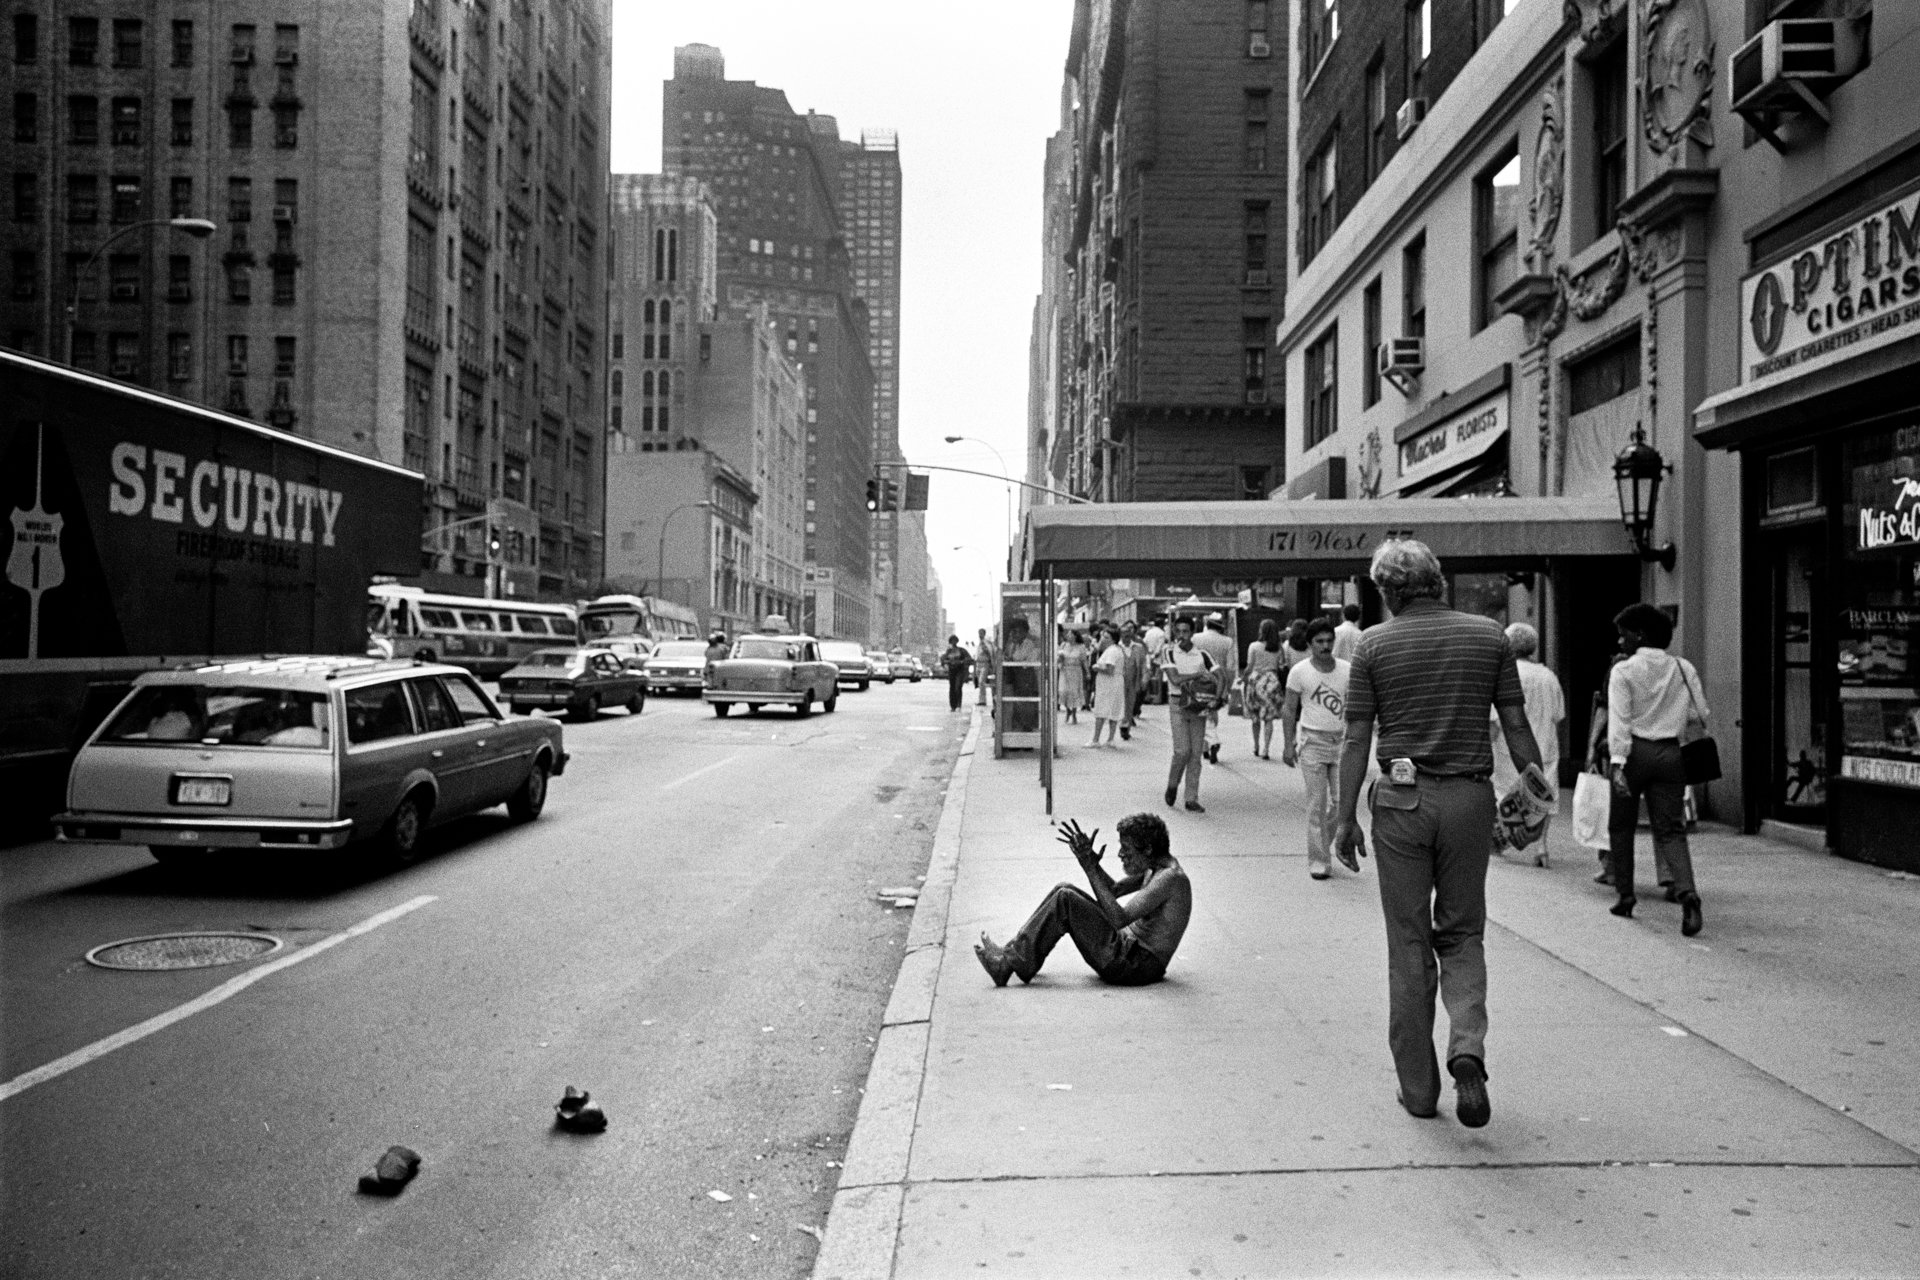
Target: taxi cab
303 753
763 670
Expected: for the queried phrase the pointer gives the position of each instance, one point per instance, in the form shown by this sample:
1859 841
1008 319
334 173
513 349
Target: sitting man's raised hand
1081 842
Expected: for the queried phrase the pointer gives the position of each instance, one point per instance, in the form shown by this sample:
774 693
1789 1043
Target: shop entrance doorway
1584 643
1796 783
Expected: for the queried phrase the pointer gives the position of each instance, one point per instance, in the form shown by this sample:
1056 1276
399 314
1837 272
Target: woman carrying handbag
1654 701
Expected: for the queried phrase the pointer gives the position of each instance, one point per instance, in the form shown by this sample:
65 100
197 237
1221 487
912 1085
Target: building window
619 345
239 126
239 282
1378 119
181 132
179 278
126 122
1255 231
126 42
83 197
179 357
26 39
237 355
1253 342
83 349
123 355
1254 482
1323 360
1255 159
1413 288
1417 41
283 363
283 284
1370 339
242 44
83 42
286 127
127 204
123 277
1319 197
1487 15
1319 28
239 199
26 197
83 120
1496 217
1609 81
1605 375
183 42
180 198
26 117
26 275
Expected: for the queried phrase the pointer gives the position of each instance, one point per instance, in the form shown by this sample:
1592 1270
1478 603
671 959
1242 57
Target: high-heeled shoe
1690 921
1624 907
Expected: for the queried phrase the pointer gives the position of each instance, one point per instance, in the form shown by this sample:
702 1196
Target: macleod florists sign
1842 294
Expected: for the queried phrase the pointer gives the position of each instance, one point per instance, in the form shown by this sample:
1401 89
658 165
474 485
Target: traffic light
889 495
873 493
493 542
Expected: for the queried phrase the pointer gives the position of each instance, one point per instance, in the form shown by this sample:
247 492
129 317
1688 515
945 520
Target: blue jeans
1070 911
1189 730
1432 862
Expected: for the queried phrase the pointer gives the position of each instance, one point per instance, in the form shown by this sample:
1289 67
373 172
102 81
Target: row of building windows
127 199
126 122
129 42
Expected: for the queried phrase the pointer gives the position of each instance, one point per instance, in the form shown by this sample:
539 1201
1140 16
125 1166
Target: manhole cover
183 950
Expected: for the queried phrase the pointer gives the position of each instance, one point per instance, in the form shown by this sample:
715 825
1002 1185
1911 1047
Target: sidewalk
1744 1103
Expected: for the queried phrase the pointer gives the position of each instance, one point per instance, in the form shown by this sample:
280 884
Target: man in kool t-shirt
1314 724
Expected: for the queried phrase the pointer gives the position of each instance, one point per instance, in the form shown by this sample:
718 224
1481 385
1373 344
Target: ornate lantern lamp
1637 473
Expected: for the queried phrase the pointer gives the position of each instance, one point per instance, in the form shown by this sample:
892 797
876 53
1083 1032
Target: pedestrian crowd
1464 724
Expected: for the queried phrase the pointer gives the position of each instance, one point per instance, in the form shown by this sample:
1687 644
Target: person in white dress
1109 686
1546 713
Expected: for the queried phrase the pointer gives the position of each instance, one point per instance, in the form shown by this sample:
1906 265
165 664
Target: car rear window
551 658
841 649
778 650
681 649
226 715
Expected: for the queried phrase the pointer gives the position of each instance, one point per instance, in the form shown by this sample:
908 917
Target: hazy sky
974 93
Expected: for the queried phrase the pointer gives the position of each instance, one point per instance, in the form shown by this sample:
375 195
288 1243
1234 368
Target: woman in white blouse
1653 699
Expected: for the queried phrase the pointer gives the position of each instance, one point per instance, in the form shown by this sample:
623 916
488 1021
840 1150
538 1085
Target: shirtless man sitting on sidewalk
1127 944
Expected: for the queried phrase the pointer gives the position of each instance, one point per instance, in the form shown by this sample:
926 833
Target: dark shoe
1470 1091
1673 894
1172 795
1428 1114
1624 907
1194 806
576 1112
1321 875
1690 921
994 959
1126 734
1605 877
1213 753
391 1172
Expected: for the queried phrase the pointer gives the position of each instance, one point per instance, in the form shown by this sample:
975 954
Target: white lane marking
702 770
225 991
927 728
1674 1031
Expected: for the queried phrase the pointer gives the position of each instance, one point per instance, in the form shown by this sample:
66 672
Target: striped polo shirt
1426 678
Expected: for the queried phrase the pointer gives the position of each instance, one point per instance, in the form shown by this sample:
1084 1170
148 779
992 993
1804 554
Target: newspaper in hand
1523 812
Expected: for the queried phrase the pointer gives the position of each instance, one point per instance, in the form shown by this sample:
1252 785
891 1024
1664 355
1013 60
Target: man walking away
958 661
1134 659
1346 636
1317 706
1428 677
1214 643
1155 639
1546 714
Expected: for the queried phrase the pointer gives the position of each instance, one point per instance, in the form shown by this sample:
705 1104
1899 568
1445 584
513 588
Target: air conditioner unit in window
1401 361
242 55
1258 46
1257 278
1409 116
1256 395
126 292
179 293
283 213
237 368
1791 66
286 57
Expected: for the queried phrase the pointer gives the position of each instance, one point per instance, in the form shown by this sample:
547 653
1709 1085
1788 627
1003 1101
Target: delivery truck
146 531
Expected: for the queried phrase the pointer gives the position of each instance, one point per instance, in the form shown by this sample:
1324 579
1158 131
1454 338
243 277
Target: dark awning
1314 538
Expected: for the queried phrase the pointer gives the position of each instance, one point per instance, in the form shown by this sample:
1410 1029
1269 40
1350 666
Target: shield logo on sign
34 565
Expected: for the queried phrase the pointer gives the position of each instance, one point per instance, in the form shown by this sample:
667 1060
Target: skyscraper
781 245
407 259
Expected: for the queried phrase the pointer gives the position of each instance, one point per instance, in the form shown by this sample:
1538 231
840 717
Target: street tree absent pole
198 228
660 565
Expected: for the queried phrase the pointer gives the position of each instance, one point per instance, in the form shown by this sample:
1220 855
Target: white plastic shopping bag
1592 799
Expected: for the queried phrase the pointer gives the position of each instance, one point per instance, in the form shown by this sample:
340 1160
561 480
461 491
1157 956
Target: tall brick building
781 245
408 258
1176 123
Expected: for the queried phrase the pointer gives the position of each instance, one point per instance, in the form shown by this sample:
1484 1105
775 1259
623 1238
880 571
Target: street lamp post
198 228
1009 478
660 565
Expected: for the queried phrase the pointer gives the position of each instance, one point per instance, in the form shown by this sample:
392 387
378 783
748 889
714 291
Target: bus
484 636
647 618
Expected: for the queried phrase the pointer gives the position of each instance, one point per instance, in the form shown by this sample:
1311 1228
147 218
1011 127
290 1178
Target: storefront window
1879 625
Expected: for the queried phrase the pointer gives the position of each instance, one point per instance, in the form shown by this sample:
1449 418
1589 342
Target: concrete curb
863 1227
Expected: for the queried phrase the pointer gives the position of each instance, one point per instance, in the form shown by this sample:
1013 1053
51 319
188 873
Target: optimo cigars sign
1843 293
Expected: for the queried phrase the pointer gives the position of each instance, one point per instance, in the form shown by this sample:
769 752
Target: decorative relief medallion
1368 465
1549 181
1589 294
1677 78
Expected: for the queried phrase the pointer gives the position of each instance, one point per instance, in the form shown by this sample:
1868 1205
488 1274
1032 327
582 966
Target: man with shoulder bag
1193 691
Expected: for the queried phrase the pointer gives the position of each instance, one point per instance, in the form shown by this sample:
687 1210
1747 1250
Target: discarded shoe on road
577 1112
391 1172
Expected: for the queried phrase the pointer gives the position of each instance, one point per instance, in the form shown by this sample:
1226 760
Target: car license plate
203 791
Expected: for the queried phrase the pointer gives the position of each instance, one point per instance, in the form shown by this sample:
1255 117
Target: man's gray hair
1523 640
1407 569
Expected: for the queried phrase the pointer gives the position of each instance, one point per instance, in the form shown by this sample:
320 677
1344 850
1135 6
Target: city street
690 932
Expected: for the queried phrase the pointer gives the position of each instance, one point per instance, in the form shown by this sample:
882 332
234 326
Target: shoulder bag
1700 756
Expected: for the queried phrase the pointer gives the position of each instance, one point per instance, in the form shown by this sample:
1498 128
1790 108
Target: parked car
916 670
882 667
633 651
847 655
302 753
677 664
765 670
577 681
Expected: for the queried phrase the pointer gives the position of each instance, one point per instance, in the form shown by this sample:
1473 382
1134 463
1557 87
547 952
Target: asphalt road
690 932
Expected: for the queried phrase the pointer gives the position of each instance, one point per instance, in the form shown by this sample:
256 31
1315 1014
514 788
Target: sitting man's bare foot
994 959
